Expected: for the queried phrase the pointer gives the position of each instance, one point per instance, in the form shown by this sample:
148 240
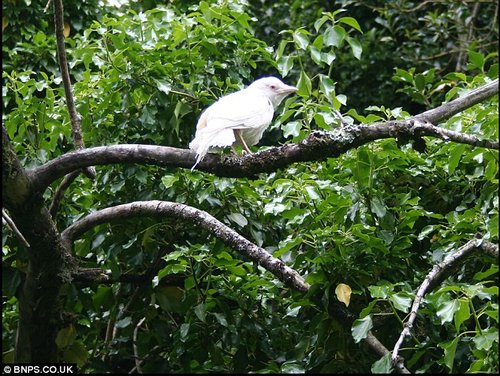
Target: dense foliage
376 218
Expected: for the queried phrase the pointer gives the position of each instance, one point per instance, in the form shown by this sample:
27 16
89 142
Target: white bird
240 117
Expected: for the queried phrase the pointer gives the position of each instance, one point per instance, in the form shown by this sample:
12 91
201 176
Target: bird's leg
237 133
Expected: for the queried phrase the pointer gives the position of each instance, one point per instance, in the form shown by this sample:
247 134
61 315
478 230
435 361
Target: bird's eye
273 87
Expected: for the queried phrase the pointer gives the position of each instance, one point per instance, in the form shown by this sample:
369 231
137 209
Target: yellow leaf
66 336
5 22
343 293
67 30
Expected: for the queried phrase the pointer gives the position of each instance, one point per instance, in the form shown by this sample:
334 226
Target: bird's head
272 88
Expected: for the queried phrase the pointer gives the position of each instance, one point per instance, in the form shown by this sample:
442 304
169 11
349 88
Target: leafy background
376 218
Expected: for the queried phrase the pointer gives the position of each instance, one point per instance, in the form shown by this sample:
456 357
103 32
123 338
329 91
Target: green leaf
450 349
123 323
447 310
286 246
285 64
292 128
170 298
378 207
326 85
402 75
368 309
363 170
201 311
293 312
361 327
334 35
401 301
164 86
351 22
304 85
420 82
103 297
462 314
383 365
221 319
301 39
356 47
491 169
479 276
184 330
311 192
456 154
99 239
11 279
315 55
476 59
238 218
485 340
292 367
319 22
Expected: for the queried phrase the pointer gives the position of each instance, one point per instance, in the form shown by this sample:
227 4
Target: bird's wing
241 110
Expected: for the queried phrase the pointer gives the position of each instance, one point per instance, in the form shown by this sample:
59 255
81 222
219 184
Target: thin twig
430 280
465 39
448 135
75 119
46 9
59 194
14 228
447 110
138 361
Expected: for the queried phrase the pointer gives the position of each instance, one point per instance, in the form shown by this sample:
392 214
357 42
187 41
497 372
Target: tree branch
97 275
59 194
138 361
76 130
436 274
164 208
16 186
464 39
318 146
449 109
14 228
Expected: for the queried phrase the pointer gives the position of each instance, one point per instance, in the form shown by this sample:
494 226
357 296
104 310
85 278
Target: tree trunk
40 305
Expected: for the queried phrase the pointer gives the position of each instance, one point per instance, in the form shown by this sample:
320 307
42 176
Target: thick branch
318 146
212 225
16 186
205 220
436 274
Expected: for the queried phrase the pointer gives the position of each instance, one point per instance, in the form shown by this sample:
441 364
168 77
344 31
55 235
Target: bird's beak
287 89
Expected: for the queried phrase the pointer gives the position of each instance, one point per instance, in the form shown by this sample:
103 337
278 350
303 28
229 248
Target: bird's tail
206 139
200 149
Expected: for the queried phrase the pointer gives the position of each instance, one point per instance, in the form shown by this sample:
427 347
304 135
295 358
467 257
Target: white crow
240 117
